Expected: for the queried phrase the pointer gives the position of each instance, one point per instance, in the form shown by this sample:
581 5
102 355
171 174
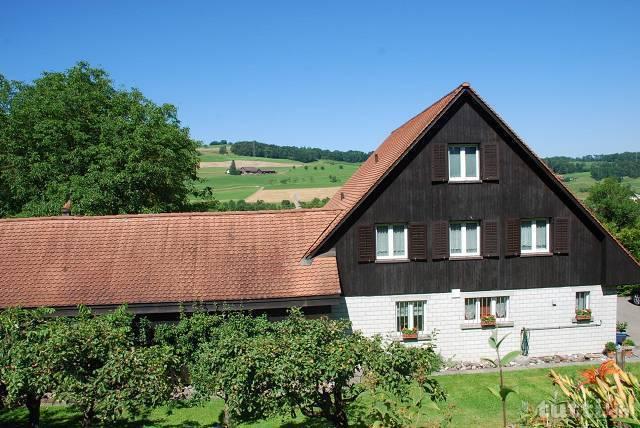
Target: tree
264 369
26 358
232 168
611 201
112 150
102 374
223 150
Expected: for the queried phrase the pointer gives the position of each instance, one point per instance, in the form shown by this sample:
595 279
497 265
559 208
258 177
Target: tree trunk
87 418
33 405
340 415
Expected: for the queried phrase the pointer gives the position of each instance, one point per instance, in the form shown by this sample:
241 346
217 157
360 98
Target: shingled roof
65 261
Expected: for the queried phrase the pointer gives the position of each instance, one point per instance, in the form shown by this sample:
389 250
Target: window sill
504 324
422 337
392 261
585 322
540 254
465 257
465 181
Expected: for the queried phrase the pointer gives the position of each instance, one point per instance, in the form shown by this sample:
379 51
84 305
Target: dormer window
391 241
464 162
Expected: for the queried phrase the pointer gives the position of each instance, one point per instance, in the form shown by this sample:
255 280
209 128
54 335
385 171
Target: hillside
314 179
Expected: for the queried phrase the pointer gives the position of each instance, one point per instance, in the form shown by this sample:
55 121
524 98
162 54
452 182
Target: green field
580 182
469 402
301 176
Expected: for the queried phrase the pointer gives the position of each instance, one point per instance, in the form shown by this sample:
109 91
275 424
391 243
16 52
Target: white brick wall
551 310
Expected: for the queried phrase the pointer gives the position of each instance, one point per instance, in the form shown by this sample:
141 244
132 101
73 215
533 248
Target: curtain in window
525 235
454 162
472 238
402 310
470 154
581 300
501 307
541 234
418 315
455 238
382 241
398 240
469 309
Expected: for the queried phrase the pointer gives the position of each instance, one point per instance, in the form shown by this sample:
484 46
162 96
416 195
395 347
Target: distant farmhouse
452 225
253 170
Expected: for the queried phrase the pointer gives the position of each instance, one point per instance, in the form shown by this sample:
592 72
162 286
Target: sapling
502 392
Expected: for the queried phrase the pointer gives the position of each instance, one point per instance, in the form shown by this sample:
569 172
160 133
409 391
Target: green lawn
582 181
472 405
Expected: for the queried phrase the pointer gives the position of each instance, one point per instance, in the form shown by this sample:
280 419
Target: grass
582 181
212 154
471 404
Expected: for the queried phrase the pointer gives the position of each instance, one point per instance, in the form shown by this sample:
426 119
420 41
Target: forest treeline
617 165
300 154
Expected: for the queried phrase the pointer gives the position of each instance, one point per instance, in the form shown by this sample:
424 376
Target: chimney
66 208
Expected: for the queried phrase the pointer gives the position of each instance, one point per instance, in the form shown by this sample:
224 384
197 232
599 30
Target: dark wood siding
410 195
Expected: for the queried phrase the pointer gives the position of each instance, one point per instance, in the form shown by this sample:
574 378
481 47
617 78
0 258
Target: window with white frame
464 238
477 307
464 162
410 315
534 236
391 241
583 300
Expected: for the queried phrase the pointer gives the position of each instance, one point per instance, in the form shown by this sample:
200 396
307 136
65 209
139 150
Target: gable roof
398 144
136 259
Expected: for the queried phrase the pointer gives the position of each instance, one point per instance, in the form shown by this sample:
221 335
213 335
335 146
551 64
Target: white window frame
534 232
390 243
494 300
463 231
587 300
463 163
410 312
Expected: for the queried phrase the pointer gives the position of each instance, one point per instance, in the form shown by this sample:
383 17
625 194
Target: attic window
464 162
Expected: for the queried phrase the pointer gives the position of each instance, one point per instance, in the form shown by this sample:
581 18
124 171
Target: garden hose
524 341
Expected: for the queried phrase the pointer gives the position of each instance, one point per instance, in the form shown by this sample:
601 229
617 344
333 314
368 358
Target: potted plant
409 334
621 332
583 314
627 347
610 349
488 321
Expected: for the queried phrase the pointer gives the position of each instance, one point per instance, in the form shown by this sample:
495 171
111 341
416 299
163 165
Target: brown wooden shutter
418 241
512 237
366 244
490 165
440 240
490 238
561 235
439 162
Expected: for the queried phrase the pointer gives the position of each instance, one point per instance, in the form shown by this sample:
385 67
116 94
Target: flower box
583 315
409 334
488 321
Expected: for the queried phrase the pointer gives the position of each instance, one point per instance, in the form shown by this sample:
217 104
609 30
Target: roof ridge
167 215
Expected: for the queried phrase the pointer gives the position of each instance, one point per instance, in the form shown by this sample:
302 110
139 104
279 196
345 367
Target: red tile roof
65 261
382 160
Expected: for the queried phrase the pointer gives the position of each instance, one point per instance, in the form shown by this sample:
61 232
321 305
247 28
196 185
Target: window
477 307
410 315
464 163
391 241
534 236
583 300
464 239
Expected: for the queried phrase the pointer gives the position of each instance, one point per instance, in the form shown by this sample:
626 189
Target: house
253 170
452 219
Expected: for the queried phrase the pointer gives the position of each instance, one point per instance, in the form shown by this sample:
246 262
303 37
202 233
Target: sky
343 74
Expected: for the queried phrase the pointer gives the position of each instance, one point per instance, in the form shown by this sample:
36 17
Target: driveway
630 313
